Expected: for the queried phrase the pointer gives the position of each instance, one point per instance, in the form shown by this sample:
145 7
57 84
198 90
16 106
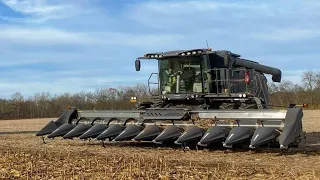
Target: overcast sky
81 45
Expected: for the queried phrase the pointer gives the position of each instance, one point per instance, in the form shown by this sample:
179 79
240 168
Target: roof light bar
191 53
153 55
186 53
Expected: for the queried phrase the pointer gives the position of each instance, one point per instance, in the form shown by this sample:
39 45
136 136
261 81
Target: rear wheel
227 106
141 107
158 104
244 106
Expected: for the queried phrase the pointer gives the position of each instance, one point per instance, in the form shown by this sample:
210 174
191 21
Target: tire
244 106
226 106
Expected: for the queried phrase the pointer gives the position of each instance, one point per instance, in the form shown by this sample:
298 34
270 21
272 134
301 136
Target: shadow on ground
313 141
17 132
312 146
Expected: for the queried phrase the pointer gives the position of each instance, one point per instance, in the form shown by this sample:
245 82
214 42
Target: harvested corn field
24 156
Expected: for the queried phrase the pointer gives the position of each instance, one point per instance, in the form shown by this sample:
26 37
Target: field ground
24 156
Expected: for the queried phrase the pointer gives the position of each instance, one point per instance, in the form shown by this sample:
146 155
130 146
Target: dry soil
24 156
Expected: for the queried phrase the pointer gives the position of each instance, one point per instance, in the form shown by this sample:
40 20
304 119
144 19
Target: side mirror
138 65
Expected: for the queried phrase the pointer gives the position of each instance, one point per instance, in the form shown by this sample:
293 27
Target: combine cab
204 98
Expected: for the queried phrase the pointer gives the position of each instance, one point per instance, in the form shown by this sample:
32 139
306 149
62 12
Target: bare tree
272 87
318 80
309 80
17 99
286 86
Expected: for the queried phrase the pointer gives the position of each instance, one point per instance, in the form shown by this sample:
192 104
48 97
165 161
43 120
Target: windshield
180 75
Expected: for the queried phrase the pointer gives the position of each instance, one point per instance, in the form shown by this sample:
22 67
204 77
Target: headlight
240 95
244 95
183 54
188 53
194 52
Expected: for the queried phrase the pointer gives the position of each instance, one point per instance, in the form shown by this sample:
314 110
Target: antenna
207 44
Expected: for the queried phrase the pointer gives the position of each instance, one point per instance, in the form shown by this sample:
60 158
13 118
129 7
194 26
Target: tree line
44 105
287 92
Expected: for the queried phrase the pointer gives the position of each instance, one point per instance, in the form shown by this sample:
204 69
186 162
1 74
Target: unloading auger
206 98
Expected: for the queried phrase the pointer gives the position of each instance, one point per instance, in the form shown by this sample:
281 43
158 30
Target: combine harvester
205 98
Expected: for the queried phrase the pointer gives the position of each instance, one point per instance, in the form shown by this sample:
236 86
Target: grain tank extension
204 98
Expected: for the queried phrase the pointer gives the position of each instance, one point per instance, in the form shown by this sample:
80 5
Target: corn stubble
48 165
24 156
44 164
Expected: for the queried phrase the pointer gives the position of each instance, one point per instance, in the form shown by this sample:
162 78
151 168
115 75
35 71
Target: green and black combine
204 98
